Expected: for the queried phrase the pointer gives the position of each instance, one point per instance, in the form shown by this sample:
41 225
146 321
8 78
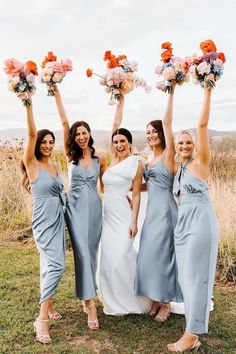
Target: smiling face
82 137
121 145
185 146
152 136
46 146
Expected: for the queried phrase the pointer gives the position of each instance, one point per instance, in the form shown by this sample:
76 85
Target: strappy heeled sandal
42 338
163 318
92 324
55 316
177 349
154 313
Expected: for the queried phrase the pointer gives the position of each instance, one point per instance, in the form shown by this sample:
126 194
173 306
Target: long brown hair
75 152
40 136
157 124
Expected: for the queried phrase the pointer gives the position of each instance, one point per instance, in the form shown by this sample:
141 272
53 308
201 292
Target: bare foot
163 313
187 341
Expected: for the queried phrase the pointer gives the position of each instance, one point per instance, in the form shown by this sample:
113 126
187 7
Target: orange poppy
50 57
107 55
208 46
89 72
31 67
221 56
166 55
166 45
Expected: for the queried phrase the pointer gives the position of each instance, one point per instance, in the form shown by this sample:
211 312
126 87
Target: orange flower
113 63
107 55
48 58
120 57
221 56
208 46
167 55
166 45
89 72
31 67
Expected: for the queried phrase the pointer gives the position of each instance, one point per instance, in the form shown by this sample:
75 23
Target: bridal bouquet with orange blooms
21 78
208 68
54 71
174 70
120 76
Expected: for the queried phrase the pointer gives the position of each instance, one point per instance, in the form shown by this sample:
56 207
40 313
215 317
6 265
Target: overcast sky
84 30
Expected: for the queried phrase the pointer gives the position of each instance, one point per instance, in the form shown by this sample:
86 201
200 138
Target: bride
118 255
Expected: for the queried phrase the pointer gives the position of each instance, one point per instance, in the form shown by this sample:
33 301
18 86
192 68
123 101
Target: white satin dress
118 255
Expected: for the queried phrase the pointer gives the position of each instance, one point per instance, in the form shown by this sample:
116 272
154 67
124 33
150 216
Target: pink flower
203 68
13 67
46 78
30 78
66 65
148 89
210 77
107 89
102 81
169 74
218 62
160 85
158 70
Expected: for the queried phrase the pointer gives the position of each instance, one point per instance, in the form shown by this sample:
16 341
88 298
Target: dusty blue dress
84 222
156 275
49 230
196 244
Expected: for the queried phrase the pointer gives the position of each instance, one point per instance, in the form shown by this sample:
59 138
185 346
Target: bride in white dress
118 255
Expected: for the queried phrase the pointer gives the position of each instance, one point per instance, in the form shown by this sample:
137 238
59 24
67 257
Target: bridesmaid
196 232
42 179
156 275
84 209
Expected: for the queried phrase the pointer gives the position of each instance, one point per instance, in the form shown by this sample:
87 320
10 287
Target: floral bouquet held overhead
174 70
208 68
21 78
54 71
120 76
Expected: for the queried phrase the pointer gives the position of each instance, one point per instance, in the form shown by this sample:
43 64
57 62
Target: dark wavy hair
40 136
124 132
75 152
157 124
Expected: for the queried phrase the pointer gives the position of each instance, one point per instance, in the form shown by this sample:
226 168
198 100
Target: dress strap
183 168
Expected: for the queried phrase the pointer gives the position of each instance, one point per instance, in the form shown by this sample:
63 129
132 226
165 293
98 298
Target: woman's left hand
133 230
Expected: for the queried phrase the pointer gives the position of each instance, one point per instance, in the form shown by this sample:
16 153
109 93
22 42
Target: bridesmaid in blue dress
196 232
42 179
156 275
84 209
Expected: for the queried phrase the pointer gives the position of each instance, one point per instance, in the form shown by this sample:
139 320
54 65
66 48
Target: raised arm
29 155
203 145
136 201
118 113
167 126
64 119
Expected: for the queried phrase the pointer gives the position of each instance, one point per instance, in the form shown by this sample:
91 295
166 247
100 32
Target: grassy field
19 292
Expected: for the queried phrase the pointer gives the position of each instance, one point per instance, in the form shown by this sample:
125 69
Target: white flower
203 68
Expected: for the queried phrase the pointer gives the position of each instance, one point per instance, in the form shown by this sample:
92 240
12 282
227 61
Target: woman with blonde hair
196 232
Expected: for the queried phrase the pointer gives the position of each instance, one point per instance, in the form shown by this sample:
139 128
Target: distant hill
101 137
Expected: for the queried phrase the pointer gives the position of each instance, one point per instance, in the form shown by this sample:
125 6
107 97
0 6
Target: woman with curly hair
84 209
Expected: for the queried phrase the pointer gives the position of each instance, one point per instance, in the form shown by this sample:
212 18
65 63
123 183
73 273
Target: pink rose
57 77
158 70
169 74
160 85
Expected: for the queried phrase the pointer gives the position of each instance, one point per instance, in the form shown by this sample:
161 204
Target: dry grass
15 203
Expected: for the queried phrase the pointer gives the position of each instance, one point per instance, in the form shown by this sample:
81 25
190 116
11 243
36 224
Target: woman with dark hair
196 232
84 209
42 179
118 256
156 265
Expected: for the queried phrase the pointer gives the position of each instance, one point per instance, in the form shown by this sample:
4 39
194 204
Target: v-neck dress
156 275
84 222
49 230
196 244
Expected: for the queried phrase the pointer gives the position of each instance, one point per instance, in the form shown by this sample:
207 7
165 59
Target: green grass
19 292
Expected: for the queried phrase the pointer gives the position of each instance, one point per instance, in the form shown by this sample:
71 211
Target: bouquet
120 76
21 78
54 71
174 69
208 68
